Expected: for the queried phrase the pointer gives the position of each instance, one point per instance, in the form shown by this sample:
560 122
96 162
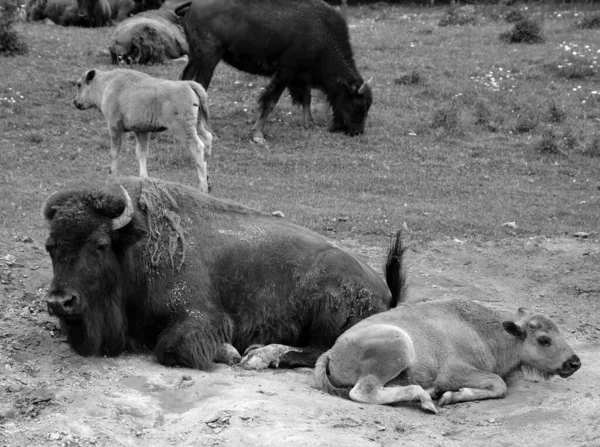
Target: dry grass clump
592 148
412 78
11 42
524 31
548 143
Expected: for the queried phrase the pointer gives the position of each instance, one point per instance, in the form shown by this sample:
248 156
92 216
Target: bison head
90 244
350 107
84 99
544 349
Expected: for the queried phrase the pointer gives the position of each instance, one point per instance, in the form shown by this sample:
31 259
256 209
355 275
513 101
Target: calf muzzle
64 304
569 366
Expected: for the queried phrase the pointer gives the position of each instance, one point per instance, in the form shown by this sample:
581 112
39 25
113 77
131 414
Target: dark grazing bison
301 44
142 263
61 12
149 37
456 350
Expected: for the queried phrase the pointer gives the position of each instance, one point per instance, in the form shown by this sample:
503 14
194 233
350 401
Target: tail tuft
394 270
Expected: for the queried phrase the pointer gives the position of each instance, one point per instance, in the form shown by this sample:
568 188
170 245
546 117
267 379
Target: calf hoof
265 357
429 406
446 398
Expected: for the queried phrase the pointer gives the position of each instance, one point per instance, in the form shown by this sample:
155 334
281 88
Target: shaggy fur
300 44
456 350
152 37
190 273
132 101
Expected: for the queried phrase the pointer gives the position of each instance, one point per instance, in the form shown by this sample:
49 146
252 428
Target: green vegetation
478 133
11 41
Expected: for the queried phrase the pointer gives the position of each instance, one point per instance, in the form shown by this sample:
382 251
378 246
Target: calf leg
141 151
268 101
471 384
372 390
196 147
116 140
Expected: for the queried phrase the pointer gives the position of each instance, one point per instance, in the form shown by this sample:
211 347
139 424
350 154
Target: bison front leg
472 385
141 151
300 92
268 101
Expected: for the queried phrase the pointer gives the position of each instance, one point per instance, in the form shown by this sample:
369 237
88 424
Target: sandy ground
52 397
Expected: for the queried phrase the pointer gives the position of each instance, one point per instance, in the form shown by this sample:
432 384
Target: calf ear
89 76
513 329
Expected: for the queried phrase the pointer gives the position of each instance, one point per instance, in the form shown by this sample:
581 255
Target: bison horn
362 88
44 204
125 217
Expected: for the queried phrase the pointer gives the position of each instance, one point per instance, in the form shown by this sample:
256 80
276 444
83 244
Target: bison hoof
429 406
265 357
260 140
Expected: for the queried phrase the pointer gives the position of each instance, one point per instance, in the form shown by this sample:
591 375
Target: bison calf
132 101
456 350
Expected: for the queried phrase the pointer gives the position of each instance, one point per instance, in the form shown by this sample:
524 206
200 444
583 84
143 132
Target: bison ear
89 76
513 329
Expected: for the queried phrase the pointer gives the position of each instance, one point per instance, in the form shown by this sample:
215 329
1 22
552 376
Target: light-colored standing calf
132 101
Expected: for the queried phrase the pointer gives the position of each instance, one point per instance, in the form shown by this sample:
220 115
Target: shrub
590 21
513 16
445 117
524 31
592 148
464 15
548 143
11 42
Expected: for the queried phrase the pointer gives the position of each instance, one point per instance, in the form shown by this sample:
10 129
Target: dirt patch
52 397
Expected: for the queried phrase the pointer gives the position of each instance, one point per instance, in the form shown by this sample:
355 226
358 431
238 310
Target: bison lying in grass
146 264
149 37
454 350
132 101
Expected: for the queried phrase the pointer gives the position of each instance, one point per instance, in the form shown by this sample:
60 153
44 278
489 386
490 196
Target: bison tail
322 378
181 10
394 270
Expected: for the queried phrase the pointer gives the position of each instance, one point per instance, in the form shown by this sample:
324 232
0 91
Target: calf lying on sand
132 101
459 350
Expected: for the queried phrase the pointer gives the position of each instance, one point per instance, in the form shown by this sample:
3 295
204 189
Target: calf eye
544 341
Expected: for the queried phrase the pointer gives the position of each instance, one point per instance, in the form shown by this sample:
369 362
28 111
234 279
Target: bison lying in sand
301 44
456 350
149 37
136 102
147 264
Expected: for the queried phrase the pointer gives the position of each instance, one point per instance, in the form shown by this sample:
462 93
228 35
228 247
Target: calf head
543 349
350 107
91 240
84 99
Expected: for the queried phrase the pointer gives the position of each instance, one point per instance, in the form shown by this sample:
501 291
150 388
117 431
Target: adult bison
142 263
149 37
302 44
456 349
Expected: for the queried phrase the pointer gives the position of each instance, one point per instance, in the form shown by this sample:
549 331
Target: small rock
581 234
27 239
512 225
54 436
9 259
278 214
491 421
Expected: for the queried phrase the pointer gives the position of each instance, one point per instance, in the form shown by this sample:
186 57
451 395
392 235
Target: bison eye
544 341
102 246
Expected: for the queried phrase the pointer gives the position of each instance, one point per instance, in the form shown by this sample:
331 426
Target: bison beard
186 273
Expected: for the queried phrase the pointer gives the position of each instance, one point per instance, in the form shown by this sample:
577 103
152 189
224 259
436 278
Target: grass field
465 132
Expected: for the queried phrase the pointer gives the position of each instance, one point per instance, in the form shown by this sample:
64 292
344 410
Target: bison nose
64 304
574 363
